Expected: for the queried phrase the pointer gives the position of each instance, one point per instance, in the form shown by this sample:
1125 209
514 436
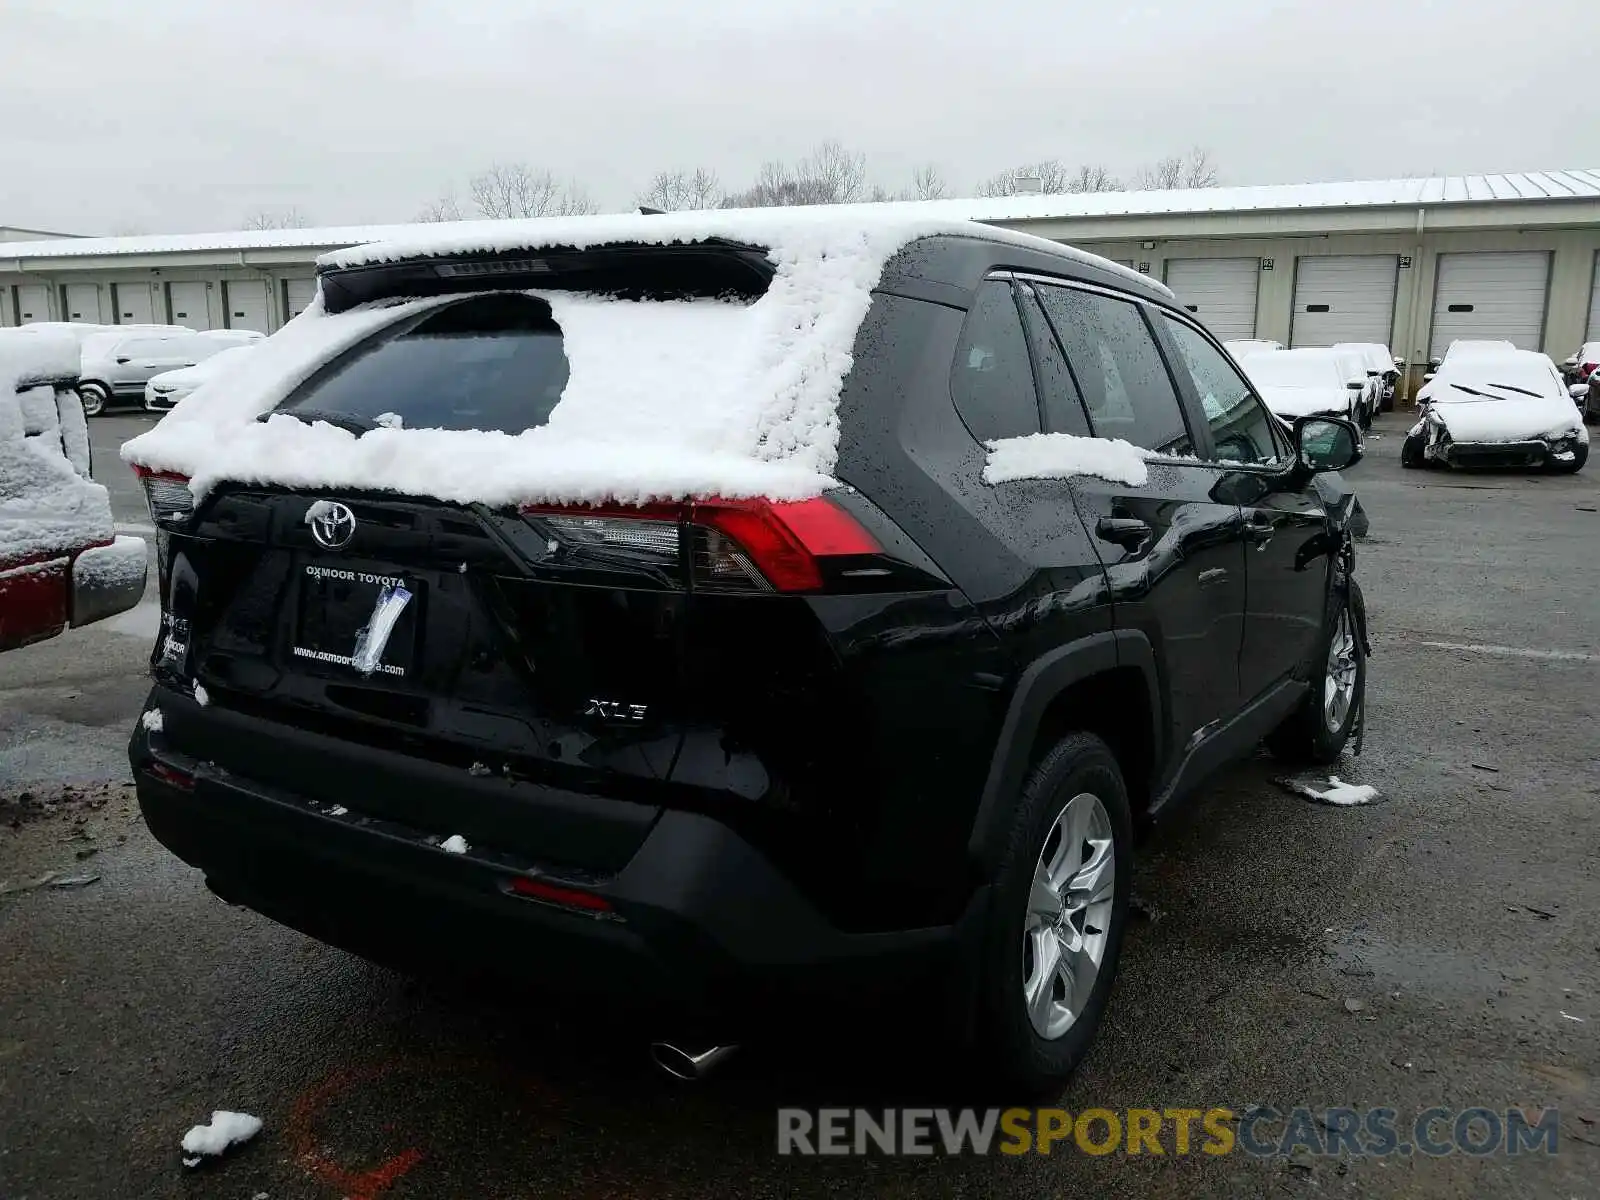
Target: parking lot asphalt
1440 948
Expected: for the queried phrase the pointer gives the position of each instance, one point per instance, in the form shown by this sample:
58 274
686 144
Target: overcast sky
174 115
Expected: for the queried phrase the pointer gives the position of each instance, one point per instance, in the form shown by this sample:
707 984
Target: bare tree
518 190
927 183
277 218
1093 178
674 191
1196 169
445 208
1050 173
829 175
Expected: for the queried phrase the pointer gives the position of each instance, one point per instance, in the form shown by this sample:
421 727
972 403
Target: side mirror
1355 385
1326 444
1570 362
1436 363
1399 362
1579 392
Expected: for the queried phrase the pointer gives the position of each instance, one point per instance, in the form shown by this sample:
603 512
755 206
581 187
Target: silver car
116 366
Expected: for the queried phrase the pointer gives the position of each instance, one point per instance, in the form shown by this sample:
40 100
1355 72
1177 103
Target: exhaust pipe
688 1064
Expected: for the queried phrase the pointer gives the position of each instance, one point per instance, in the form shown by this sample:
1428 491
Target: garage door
133 304
33 303
1490 295
1594 304
1344 298
247 305
1220 291
297 295
83 302
187 303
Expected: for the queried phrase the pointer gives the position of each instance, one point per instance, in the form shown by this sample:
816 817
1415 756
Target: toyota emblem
332 524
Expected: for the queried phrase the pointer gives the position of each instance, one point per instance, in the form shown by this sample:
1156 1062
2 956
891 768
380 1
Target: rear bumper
702 933
107 580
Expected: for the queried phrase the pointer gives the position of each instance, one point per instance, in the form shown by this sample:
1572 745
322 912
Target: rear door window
992 379
1118 368
1058 391
488 362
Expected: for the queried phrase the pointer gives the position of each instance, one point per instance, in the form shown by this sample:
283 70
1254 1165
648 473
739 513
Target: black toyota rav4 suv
722 760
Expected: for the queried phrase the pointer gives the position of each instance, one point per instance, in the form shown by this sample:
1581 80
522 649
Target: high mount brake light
167 494
762 545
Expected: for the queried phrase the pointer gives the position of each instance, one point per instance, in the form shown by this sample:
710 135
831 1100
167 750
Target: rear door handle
1259 529
1127 532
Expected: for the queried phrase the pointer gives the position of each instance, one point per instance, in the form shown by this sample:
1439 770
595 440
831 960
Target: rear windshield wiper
346 421
1520 391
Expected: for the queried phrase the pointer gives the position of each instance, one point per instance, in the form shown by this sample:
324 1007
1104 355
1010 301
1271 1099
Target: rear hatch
555 659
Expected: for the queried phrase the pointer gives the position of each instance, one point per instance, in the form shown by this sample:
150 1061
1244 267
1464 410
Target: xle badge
615 710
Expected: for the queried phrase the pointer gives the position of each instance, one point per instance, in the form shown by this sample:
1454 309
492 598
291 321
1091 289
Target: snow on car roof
665 400
1311 366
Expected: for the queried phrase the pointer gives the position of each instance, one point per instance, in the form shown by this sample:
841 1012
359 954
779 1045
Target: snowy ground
1460 913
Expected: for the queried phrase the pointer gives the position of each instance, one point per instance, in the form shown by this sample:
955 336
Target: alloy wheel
1339 683
1068 920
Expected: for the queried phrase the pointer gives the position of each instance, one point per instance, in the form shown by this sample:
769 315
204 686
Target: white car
1359 375
1382 366
166 389
1308 382
1510 409
117 365
1241 349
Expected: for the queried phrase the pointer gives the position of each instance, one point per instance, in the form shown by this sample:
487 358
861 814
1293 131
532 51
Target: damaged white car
1508 409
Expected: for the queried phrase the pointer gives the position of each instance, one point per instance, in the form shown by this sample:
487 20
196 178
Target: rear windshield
486 362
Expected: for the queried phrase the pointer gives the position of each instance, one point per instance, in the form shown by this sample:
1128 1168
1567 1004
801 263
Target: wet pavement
1432 949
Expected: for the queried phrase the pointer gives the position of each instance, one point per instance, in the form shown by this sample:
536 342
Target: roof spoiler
714 267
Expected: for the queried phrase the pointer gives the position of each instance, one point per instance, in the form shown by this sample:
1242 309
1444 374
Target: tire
1579 457
1078 783
94 398
1411 451
1316 732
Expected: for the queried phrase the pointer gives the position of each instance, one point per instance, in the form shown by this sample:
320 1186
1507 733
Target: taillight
167 495
1590 368
741 545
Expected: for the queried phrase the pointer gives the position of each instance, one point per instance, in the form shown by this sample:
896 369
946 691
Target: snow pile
454 844
1063 455
201 696
226 1129
46 506
665 400
1336 792
152 721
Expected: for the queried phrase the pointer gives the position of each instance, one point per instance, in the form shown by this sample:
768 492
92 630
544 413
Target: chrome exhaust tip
689 1064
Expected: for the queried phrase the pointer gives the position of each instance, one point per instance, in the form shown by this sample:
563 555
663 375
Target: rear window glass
489 362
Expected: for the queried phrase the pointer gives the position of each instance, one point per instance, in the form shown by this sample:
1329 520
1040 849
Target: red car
61 561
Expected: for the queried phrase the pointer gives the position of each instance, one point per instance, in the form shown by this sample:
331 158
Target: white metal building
1409 262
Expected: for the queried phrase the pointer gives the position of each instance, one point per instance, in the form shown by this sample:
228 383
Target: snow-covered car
61 561
1510 409
116 366
1359 375
1583 364
1381 366
1308 382
166 389
1247 346
1591 401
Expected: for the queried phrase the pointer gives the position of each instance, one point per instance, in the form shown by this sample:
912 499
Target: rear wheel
1056 923
1317 731
94 398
